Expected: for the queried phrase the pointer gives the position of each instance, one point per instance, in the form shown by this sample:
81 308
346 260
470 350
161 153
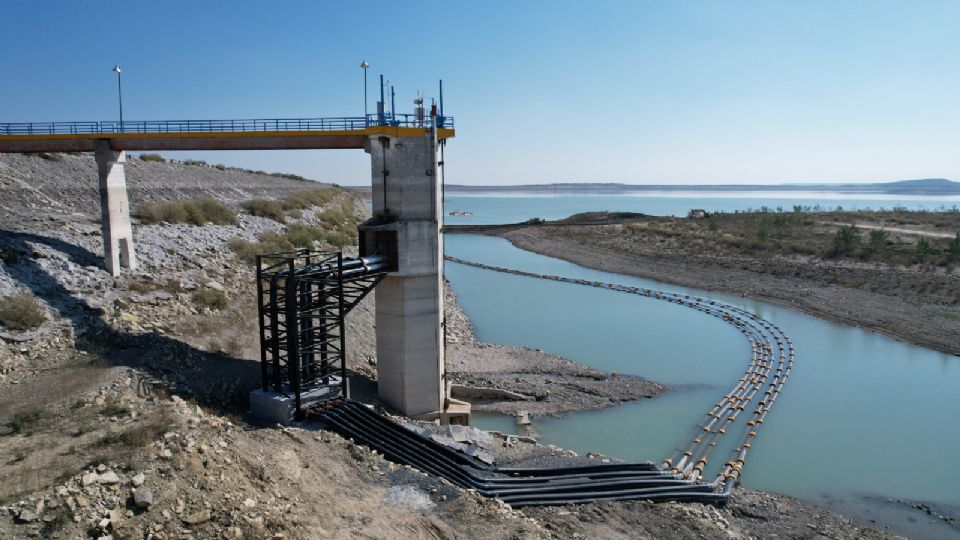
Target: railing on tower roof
346 123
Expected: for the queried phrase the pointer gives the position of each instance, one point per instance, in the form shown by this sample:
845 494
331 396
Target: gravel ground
546 384
890 305
125 414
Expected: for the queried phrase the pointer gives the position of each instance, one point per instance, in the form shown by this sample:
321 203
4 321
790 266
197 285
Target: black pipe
538 493
764 377
462 475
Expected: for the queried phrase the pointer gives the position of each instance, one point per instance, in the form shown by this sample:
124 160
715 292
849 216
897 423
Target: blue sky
542 91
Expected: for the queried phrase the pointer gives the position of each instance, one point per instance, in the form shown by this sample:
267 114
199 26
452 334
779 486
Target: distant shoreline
887 301
930 187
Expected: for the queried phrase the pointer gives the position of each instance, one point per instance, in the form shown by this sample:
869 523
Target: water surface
861 414
513 207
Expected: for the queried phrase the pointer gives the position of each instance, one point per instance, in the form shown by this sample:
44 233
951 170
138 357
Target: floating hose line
680 477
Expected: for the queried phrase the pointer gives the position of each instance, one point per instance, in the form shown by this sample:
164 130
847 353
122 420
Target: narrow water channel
861 416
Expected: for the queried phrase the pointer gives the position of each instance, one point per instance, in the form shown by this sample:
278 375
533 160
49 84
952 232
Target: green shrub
763 234
153 157
21 312
139 435
301 200
112 408
846 240
879 238
195 162
924 248
139 286
265 208
220 167
288 175
955 245
270 242
304 236
194 212
333 217
210 298
25 422
245 250
341 239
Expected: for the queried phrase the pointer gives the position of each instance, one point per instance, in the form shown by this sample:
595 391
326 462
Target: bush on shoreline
269 242
298 235
265 208
194 212
292 205
21 312
210 298
863 236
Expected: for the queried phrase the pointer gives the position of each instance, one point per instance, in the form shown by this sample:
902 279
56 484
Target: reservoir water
862 418
512 207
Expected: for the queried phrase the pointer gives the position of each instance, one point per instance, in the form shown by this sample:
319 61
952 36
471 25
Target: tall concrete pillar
114 209
409 301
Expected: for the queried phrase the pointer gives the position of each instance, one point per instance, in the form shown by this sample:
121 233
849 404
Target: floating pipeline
679 477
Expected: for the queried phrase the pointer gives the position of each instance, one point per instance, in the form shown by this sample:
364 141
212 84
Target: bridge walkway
245 134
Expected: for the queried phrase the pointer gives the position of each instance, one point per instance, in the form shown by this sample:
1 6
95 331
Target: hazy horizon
679 185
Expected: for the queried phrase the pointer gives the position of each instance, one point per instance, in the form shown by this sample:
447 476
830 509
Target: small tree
152 157
879 239
21 312
924 248
846 240
763 234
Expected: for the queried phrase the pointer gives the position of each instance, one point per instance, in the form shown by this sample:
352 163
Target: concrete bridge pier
114 209
407 220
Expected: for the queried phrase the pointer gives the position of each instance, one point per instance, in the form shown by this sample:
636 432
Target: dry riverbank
914 303
124 414
540 383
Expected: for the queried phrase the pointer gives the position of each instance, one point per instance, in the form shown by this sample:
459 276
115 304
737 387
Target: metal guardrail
347 123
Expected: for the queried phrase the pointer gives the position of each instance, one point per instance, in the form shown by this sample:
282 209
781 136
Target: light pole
116 69
365 65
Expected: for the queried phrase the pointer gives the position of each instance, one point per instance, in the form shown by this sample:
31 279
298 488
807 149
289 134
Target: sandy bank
813 287
547 383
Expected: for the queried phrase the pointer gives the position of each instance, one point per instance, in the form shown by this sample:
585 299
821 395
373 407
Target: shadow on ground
215 380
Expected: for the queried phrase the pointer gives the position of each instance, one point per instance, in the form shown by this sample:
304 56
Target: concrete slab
279 408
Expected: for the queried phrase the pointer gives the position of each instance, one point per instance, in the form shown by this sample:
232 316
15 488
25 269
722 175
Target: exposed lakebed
862 415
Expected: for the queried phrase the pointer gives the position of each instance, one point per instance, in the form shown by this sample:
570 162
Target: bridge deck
259 134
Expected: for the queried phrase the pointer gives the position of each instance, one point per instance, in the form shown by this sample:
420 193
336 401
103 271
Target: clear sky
634 91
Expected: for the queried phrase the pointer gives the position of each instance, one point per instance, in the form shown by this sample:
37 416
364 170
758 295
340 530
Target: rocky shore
906 304
125 414
529 380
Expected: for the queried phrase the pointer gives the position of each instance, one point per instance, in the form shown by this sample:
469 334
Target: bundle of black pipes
680 477
515 486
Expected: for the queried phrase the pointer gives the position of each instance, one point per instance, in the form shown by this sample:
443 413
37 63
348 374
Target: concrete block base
271 406
456 413
279 408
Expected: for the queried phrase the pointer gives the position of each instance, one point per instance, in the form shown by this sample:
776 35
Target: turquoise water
514 207
861 414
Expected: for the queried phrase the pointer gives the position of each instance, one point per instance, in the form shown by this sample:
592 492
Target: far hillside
926 186
67 183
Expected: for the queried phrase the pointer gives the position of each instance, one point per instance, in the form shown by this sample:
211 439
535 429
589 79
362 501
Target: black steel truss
303 297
